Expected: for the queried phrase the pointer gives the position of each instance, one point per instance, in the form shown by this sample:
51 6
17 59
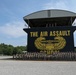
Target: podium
50 31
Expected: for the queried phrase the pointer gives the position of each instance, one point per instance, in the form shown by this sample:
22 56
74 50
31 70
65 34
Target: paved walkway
5 57
17 67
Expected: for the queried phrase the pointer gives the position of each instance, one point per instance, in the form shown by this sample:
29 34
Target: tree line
11 50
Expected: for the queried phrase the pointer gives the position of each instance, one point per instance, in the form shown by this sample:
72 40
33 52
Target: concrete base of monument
60 56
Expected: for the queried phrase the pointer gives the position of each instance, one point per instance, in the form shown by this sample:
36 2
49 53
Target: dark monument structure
50 31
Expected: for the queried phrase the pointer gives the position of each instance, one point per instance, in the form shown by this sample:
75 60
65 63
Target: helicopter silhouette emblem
57 44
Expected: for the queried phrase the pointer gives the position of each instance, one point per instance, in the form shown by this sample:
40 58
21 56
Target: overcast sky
13 11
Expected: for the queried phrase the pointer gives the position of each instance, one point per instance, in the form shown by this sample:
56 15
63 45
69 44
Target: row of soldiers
68 56
43 56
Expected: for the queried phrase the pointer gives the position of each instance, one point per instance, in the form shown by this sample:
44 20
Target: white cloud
14 29
61 4
74 23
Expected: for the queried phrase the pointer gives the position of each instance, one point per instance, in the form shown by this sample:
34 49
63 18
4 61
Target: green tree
10 50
